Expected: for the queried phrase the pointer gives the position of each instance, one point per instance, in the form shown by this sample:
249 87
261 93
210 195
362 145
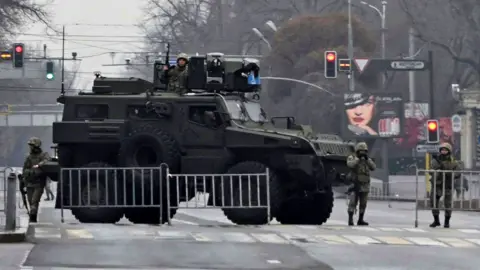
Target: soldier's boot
436 222
350 219
447 222
33 218
361 222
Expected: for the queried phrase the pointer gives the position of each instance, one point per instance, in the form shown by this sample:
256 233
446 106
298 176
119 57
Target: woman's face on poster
361 115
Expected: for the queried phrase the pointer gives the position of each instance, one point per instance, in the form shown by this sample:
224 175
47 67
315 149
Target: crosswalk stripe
391 240
390 229
202 238
474 240
470 231
424 241
414 230
361 240
79 234
332 239
171 235
456 242
269 238
295 236
365 229
238 237
45 233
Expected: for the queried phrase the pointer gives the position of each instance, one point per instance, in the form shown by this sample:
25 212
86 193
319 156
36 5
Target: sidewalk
22 224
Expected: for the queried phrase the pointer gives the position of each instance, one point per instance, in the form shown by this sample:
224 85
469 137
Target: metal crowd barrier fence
450 191
229 191
114 187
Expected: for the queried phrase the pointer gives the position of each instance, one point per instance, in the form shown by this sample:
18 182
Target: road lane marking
361 240
424 241
274 261
238 237
200 237
365 229
392 240
332 239
171 235
269 238
387 229
417 230
78 234
469 231
476 241
456 242
184 221
47 233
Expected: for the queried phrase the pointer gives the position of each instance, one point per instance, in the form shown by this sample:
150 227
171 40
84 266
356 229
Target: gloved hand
22 187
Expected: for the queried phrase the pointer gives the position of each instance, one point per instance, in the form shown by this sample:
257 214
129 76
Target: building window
91 111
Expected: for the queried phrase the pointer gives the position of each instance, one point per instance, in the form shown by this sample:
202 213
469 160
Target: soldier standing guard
33 179
360 165
177 76
444 162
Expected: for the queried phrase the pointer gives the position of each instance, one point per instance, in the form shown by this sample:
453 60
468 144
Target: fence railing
449 191
156 187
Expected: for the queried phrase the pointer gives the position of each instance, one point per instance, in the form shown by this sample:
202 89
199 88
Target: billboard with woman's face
373 115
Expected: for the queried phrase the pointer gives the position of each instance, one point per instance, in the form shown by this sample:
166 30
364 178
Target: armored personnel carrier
219 127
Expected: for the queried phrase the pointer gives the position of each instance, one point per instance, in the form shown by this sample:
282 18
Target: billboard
373 115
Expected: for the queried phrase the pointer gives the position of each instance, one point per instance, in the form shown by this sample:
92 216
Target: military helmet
183 56
446 146
361 146
34 141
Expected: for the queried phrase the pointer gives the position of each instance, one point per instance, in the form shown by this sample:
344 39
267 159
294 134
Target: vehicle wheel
149 147
250 216
96 188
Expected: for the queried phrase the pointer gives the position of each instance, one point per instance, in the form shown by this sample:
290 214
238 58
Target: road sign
361 63
407 65
427 148
344 65
456 123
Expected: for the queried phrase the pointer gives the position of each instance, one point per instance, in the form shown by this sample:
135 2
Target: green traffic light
50 76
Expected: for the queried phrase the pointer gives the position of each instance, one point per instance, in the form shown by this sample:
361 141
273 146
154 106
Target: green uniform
361 166
177 77
33 179
443 184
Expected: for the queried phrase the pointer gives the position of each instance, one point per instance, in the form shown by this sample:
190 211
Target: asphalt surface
205 239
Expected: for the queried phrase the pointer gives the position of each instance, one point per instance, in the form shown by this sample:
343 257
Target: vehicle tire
252 216
147 146
101 186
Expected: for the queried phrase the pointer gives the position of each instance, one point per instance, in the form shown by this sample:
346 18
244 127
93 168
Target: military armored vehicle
219 127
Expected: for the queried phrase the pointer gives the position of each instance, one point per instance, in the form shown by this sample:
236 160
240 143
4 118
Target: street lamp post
262 37
382 13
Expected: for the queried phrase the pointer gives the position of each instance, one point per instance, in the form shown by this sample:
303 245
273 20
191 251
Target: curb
18 235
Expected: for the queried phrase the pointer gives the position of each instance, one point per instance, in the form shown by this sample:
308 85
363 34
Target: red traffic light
432 125
330 57
18 49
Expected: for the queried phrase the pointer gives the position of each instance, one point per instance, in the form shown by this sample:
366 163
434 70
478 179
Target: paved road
205 239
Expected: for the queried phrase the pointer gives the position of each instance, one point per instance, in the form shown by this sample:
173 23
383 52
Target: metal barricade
229 191
112 187
449 191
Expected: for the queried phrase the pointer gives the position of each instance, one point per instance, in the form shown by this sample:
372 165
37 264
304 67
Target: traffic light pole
431 108
62 92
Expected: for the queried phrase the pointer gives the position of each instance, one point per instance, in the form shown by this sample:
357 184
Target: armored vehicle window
197 113
91 111
140 112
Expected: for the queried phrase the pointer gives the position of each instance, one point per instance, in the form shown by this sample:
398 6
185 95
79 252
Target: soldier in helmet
177 76
33 179
360 165
442 183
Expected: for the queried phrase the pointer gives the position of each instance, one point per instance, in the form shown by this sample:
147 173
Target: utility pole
383 17
411 74
350 46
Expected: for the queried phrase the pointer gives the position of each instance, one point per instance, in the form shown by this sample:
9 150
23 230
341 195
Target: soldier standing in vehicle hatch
177 76
360 165
442 184
32 176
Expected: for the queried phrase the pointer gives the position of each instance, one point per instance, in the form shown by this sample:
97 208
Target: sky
94 29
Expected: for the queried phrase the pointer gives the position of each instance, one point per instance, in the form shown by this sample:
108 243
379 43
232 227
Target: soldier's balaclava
361 149
445 146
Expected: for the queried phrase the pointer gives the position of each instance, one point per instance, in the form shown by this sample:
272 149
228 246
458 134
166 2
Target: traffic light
433 135
5 56
331 64
344 65
18 57
50 72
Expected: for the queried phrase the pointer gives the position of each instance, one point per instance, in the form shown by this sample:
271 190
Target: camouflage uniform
360 165
177 77
442 184
32 176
